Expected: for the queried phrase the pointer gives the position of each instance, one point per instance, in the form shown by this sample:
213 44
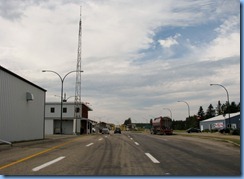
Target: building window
52 110
77 110
64 110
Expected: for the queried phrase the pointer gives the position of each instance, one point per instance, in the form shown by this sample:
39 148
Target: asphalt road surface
121 154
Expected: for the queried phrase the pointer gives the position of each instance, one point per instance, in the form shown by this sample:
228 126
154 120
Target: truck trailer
161 125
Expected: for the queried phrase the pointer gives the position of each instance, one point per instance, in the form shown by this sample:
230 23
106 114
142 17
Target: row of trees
220 109
193 121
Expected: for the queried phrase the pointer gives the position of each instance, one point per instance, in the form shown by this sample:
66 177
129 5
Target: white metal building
21 108
69 124
221 121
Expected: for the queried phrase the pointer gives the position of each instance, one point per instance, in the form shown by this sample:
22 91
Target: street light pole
227 98
62 87
169 111
187 106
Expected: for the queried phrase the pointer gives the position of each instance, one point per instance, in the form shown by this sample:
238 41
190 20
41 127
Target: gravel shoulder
234 139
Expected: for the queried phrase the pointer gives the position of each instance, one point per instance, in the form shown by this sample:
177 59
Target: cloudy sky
138 56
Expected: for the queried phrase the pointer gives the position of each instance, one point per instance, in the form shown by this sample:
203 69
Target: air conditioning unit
29 96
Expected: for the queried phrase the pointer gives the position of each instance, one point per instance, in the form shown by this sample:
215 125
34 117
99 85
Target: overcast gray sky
138 56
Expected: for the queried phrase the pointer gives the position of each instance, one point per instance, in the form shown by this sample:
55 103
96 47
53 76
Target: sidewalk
51 137
59 136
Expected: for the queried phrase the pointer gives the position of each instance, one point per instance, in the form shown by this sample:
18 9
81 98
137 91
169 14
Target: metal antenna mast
78 104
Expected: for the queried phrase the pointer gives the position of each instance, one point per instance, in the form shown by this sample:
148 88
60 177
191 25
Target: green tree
233 107
192 122
219 109
210 112
127 121
226 108
179 125
201 113
239 106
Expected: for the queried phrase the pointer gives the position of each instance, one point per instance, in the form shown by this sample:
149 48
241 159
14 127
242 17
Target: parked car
105 131
190 130
117 130
93 130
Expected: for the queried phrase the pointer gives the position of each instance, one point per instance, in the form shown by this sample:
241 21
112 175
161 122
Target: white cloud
227 43
170 41
115 33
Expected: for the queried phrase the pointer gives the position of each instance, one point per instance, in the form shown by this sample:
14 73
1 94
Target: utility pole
78 103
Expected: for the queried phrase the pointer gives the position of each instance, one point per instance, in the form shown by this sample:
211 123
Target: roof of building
21 78
221 117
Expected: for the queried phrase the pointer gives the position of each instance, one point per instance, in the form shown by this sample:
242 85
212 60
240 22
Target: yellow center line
36 154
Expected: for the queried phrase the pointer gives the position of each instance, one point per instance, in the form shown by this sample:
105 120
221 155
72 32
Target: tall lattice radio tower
78 103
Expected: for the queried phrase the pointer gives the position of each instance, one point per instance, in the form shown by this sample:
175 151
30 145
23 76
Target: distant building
21 108
221 121
69 124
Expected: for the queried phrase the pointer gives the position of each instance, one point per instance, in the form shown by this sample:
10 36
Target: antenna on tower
78 103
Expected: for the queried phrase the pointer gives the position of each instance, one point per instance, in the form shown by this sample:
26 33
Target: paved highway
121 154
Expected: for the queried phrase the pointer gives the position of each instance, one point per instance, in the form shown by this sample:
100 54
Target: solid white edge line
152 158
89 144
47 164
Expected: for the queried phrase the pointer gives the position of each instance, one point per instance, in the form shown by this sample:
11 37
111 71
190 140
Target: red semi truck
161 125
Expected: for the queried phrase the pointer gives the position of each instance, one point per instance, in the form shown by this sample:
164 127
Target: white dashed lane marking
47 164
152 158
89 144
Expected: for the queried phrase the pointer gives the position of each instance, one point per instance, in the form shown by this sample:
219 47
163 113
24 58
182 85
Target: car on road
117 130
105 131
190 130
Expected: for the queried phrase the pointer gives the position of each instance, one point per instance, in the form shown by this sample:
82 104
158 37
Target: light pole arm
62 79
187 106
53 72
225 90
169 111
227 97
69 73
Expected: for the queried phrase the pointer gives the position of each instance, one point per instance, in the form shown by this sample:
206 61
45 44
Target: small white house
22 107
69 125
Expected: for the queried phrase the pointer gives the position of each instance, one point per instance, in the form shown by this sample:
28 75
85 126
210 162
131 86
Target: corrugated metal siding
19 119
49 126
208 124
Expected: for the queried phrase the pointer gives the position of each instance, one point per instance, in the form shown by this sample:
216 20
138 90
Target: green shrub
206 130
236 132
214 130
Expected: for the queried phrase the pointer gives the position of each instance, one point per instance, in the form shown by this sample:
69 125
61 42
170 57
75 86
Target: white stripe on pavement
89 144
136 143
152 158
47 164
100 139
